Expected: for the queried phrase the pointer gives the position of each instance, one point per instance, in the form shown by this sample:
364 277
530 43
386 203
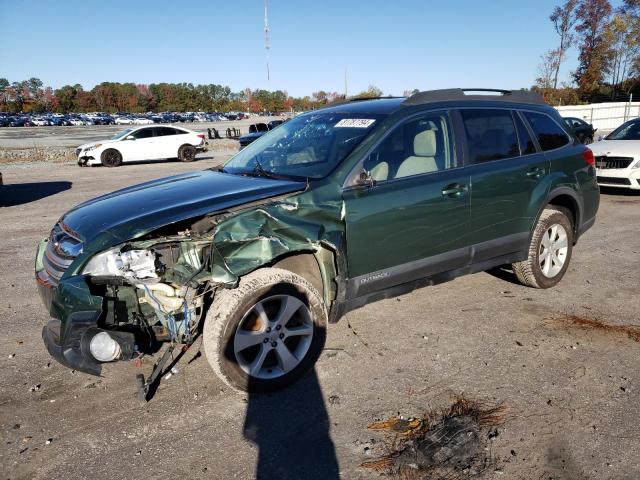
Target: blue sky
395 45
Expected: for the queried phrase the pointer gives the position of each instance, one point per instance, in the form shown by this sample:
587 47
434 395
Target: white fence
603 116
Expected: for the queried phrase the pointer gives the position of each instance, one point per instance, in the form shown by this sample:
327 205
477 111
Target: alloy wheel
552 254
273 336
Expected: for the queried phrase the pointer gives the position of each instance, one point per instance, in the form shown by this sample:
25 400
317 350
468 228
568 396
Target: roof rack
519 96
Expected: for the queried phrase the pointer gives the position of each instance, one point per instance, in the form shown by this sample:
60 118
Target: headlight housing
138 264
637 165
93 147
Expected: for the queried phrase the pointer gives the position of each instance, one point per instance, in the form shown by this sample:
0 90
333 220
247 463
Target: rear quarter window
550 135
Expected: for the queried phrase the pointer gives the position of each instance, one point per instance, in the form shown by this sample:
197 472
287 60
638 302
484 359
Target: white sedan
618 157
142 143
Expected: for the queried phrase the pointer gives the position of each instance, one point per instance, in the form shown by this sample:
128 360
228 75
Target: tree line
33 96
608 43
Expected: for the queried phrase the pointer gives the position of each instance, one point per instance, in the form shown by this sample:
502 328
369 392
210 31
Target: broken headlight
137 264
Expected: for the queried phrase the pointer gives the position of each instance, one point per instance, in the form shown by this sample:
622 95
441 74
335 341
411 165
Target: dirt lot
571 388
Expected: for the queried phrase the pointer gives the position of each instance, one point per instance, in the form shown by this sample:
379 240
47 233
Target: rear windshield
309 146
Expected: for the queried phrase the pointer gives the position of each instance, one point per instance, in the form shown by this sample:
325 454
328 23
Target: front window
309 146
122 134
626 131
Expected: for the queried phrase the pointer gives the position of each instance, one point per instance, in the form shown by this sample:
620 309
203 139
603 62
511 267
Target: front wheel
549 251
187 153
266 333
111 158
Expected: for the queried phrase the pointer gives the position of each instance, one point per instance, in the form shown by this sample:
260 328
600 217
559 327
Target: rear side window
491 134
164 131
526 142
550 135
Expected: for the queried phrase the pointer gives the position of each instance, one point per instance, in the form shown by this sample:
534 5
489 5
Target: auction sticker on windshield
354 123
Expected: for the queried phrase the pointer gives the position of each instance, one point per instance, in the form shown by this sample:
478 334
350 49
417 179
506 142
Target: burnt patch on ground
588 323
445 444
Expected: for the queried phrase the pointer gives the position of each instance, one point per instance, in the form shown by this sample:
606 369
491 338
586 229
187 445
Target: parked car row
102 118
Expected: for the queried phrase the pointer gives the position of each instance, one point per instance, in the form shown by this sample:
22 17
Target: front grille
613 162
62 248
614 180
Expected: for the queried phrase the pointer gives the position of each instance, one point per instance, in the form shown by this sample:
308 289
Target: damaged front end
124 301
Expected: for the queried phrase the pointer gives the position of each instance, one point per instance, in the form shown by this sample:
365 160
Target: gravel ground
572 391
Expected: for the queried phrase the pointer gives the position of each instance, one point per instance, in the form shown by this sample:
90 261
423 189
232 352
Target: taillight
588 156
201 135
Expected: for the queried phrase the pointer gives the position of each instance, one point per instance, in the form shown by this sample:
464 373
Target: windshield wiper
261 171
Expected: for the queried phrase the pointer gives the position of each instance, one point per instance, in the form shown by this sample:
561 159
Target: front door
413 220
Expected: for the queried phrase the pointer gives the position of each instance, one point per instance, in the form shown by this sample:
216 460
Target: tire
187 153
554 234
233 322
111 158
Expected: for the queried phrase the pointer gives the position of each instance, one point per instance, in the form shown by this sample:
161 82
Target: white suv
618 157
143 143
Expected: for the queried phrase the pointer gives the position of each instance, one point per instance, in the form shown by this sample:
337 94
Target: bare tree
548 69
563 18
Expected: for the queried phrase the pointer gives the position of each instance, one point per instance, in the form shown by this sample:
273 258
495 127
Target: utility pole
346 90
267 47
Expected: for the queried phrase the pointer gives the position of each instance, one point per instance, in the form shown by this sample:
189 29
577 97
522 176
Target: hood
616 148
253 135
91 144
134 211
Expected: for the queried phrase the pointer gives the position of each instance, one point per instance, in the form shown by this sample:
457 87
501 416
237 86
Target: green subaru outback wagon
330 211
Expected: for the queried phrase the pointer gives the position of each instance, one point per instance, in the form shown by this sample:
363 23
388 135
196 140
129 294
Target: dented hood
134 211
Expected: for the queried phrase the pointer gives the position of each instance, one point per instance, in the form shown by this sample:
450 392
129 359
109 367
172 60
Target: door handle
535 172
454 190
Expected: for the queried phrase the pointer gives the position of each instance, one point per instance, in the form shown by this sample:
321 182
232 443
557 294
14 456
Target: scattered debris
334 400
35 388
48 442
12 355
632 331
443 444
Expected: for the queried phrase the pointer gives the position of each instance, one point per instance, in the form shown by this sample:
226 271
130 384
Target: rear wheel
111 158
187 153
549 252
267 333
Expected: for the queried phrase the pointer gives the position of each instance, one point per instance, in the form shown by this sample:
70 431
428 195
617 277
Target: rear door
411 218
165 142
507 180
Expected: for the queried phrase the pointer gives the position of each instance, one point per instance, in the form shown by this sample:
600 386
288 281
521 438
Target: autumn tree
592 18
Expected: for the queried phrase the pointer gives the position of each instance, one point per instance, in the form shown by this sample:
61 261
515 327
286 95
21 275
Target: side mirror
600 138
130 137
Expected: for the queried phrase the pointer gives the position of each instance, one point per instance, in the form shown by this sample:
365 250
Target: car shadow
504 272
21 193
291 430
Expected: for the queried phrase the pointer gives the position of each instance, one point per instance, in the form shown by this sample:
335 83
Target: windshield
308 146
626 131
121 134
